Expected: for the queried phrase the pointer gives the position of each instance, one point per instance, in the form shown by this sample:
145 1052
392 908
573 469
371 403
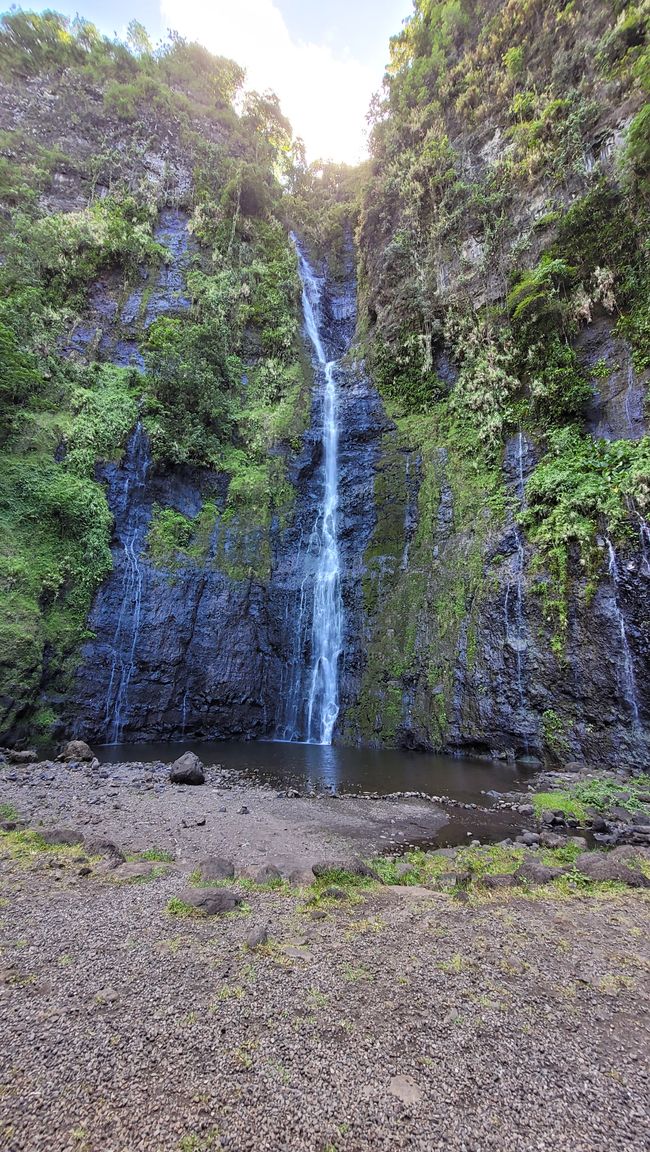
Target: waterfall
628 680
514 623
312 703
127 626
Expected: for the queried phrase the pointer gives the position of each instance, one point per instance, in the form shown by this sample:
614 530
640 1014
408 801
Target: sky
324 59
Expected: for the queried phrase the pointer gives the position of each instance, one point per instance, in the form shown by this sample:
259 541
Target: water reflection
312 767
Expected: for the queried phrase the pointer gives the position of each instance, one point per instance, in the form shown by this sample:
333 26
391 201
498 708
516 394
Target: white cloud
325 97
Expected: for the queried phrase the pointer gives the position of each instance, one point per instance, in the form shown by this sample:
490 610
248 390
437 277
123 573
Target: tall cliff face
503 264
201 641
161 466
155 387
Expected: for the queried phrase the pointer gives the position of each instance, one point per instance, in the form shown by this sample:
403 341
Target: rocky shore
205 966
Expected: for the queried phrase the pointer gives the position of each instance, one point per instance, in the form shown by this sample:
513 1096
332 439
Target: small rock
530 838
319 914
502 880
15 756
405 1089
533 874
257 938
216 868
62 836
85 871
526 809
188 769
77 750
187 822
296 952
107 996
211 901
552 840
243 811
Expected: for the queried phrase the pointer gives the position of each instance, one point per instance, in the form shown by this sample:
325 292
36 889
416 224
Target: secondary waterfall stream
312 705
127 625
628 679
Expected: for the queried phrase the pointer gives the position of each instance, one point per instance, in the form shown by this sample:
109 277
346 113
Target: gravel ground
404 1020
136 805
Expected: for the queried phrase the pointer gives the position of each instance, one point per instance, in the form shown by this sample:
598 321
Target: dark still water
317 768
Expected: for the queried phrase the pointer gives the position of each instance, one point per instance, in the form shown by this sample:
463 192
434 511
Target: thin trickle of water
312 705
127 627
644 535
514 620
628 679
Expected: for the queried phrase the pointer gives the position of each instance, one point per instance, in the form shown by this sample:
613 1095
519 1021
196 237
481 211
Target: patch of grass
8 812
228 992
564 801
362 927
600 793
192 1142
25 844
560 857
316 999
154 854
341 878
354 973
178 907
489 860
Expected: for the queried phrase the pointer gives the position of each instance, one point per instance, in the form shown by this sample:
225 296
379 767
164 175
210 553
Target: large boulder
77 750
216 868
211 901
604 866
98 846
188 769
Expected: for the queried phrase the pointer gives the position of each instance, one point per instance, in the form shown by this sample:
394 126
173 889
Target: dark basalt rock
188 769
203 651
77 750
216 868
533 874
212 902
209 650
608 866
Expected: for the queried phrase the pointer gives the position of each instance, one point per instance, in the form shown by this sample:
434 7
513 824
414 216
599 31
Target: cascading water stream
628 680
514 623
127 627
313 699
644 535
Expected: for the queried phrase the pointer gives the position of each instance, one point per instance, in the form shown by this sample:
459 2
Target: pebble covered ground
385 1018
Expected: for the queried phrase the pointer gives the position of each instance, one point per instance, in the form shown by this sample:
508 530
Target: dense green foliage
223 385
502 215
